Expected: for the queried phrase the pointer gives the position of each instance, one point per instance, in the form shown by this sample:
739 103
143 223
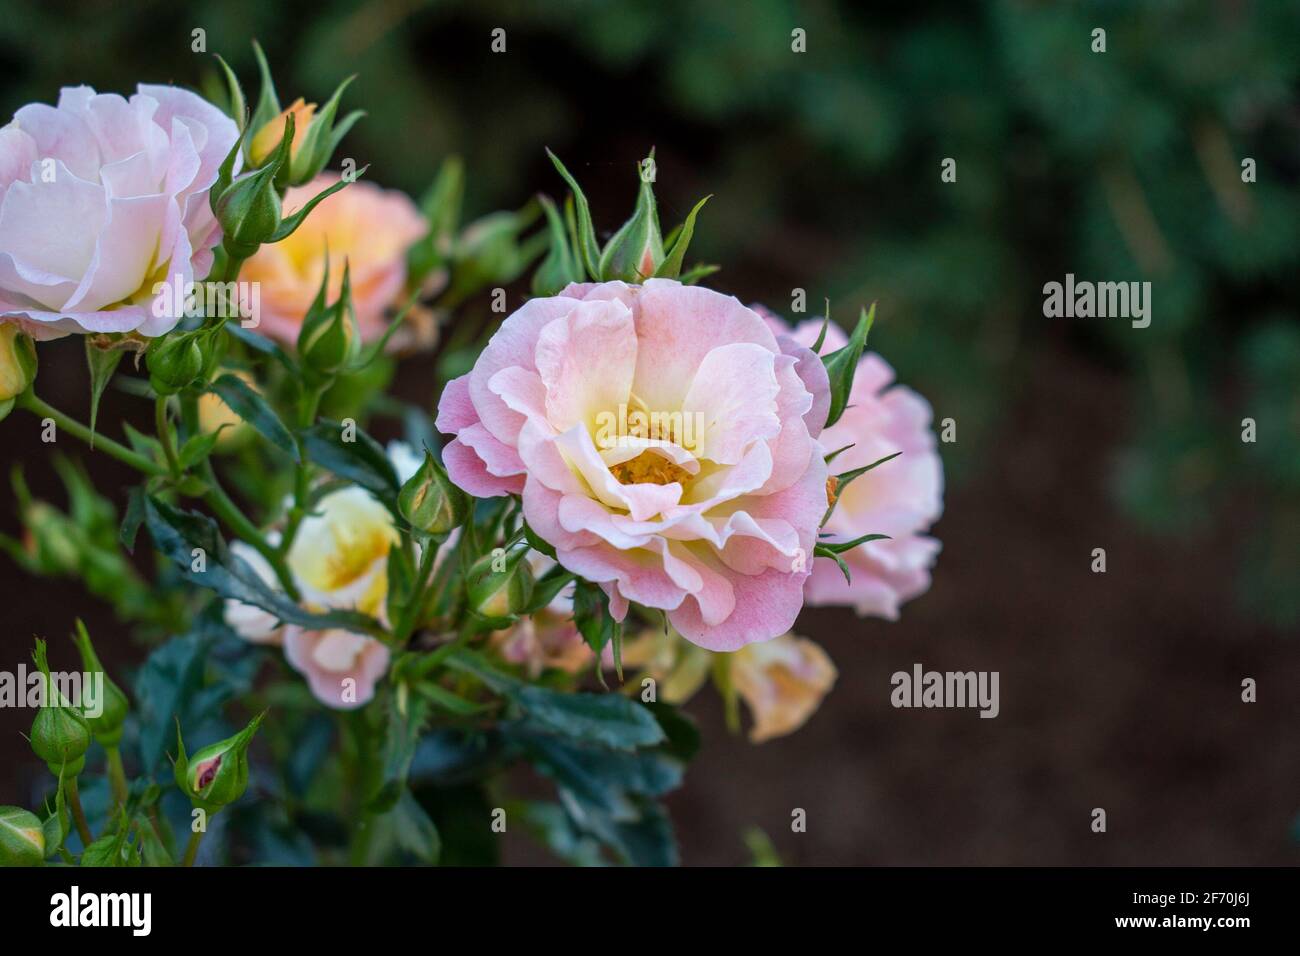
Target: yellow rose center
649 467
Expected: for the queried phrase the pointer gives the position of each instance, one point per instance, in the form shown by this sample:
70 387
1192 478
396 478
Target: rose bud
312 138
497 598
22 838
635 252
174 362
17 361
60 735
267 139
249 210
430 502
218 774
330 340
107 727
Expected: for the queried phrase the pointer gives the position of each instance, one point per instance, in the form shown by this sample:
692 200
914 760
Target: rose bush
627 450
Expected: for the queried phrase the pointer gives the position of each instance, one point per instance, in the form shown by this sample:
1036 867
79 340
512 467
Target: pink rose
102 199
663 442
369 227
901 498
341 668
782 683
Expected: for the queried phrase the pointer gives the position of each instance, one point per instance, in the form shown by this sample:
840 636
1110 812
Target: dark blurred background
1119 690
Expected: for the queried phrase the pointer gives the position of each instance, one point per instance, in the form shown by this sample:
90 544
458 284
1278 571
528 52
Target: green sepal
842 365
671 267
588 249
635 252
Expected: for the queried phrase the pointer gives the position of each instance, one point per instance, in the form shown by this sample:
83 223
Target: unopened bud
430 502
249 211
60 735
497 598
634 253
174 362
267 139
330 339
217 775
22 838
17 361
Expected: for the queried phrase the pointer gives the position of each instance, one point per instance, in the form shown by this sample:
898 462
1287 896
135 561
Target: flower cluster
632 486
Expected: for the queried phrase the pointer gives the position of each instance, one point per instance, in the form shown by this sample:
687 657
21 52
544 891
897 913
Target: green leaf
547 588
671 268
107 851
198 447
588 249
607 719
133 517
249 405
591 615
401 735
141 443
186 536
414 831
260 343
172 684
444 699
361 460
537 543
842 365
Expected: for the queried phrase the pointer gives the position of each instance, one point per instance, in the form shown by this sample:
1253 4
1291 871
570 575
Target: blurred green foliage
1123 165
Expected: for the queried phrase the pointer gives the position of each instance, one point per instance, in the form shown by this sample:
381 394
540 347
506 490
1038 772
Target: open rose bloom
662 441
367 227
339 561
901 498
101 200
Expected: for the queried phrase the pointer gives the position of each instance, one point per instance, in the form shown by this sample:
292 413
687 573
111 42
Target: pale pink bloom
363 225
901 498
341 667
782 682
710 510
544 640
247 620
103 200
339 561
